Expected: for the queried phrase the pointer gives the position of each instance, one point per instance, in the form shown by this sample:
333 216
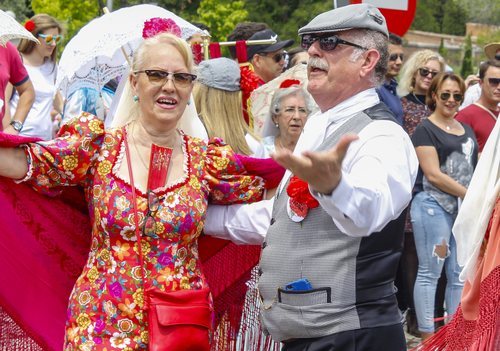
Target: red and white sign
399 14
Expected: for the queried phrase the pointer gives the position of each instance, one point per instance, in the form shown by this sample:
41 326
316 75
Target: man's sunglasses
424 72
277 57
49 38
157 77
394 57
494 82
446 96
326 43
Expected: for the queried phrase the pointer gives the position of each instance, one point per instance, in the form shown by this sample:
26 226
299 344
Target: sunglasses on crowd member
277 57
149 228
49 38
394 57
497 56
446 96
424 72
494 82
326 42
157 77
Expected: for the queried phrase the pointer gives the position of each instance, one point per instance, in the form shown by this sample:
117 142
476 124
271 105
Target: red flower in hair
287 83
157 25
30 25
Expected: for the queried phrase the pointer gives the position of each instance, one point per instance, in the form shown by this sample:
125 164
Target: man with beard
333 236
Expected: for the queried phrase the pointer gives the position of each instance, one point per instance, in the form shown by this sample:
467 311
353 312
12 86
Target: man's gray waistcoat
352 278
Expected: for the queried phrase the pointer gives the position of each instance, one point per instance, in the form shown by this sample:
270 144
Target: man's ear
371 57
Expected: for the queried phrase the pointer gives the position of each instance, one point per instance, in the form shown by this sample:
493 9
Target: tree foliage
467 61
439 16
221 16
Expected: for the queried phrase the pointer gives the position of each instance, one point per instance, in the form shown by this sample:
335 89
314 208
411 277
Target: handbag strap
136 211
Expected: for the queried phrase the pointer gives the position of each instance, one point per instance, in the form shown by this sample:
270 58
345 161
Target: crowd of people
351 192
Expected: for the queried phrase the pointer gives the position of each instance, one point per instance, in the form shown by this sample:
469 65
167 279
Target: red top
480 120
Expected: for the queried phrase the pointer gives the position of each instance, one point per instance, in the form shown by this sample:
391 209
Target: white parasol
260 99
11 29
100 50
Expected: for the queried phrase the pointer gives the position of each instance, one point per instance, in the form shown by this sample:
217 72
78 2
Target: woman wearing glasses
447 152
290 107
40 62
146 180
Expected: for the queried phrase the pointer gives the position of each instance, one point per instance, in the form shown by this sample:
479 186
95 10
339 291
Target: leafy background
284 16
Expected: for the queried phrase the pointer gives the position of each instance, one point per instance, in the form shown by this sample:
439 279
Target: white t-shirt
38 123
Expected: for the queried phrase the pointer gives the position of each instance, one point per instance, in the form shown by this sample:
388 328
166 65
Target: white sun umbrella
11 29
101 49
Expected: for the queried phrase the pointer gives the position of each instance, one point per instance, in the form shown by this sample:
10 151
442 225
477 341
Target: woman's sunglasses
394 57
424 72
159 78
446 96
326 43
49 38
149 228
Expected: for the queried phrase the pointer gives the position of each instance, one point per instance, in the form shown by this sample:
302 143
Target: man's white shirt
378 173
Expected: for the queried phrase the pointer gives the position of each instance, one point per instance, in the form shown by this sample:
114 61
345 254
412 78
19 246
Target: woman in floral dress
105 309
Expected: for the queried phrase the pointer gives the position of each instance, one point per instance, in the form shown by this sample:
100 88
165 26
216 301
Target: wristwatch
18 126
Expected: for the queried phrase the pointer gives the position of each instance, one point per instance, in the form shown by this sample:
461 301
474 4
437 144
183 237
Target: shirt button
260 272
272 221
264 244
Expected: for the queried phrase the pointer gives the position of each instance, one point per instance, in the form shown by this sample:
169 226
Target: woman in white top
290 108
40 62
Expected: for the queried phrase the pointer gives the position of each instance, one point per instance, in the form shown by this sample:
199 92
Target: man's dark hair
483 67
243 31
395 39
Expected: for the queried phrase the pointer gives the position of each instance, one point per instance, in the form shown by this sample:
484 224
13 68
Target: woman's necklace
137 150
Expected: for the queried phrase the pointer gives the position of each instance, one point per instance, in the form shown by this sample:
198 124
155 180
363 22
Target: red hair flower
157 25
287 83
301 200
30 25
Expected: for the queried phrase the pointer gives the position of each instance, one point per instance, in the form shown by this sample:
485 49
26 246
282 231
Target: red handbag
177 320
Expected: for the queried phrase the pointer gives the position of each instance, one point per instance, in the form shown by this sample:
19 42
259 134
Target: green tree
221 16
467 60
73 14
442 50
22 9
439 16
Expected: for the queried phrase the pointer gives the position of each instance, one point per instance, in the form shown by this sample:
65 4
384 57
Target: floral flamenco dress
105 310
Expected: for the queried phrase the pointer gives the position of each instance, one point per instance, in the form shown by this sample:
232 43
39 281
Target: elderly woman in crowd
147 186
290 107
447 152
217 98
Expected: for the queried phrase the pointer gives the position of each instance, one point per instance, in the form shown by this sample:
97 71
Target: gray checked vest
352 278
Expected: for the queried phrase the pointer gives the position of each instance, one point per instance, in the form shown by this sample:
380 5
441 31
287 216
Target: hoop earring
135 98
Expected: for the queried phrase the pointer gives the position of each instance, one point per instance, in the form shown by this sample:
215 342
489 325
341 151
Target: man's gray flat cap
356 16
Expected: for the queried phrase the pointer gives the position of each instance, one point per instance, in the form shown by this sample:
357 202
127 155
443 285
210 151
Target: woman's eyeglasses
149 228
326 43
446 96
424 72
49 38
494 82
159 78
394 57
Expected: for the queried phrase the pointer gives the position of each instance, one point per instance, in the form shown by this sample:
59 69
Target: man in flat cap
335 229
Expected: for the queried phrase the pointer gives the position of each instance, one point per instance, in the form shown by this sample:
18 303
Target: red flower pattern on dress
158 25
30 25
301 200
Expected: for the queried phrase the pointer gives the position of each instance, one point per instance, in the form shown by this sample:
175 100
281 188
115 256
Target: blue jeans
436 248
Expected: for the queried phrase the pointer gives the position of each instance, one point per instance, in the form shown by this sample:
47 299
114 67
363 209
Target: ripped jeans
436 248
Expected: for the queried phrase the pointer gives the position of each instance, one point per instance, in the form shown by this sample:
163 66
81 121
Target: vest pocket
305 298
